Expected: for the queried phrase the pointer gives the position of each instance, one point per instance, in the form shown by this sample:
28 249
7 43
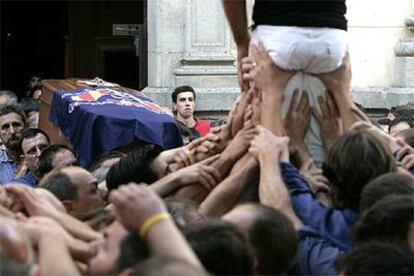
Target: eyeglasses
37 149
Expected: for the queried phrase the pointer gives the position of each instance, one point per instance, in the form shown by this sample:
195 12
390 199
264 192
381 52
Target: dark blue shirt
315 256
8 168
29 179
332 224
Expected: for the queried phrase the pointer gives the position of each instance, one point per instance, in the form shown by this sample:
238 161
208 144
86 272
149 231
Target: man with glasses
32 143
12 125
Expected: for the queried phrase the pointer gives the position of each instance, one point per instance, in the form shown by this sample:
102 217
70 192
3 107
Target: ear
68 204
174 107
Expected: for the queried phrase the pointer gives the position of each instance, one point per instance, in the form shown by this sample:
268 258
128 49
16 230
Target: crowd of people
248 197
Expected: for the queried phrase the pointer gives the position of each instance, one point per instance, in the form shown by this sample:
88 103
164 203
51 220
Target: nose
38 152
12 130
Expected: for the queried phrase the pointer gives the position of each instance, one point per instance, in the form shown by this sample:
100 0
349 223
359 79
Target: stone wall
189 42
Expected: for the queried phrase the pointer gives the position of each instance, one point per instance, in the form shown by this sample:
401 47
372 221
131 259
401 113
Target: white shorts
307 50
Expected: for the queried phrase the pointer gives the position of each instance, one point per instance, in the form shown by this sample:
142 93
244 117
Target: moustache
13 144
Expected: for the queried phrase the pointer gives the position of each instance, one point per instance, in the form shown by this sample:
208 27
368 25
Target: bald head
75 187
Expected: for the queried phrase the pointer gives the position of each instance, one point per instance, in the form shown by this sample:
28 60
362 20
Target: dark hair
377 259
12 96
166 265
132 250
408 136
29 105
33 132
388 220
13 108
181 89
102 158
47 156
31 90
134 167
403 110
59 184
356 157
221 248
401 119
35 81
384 185
273 239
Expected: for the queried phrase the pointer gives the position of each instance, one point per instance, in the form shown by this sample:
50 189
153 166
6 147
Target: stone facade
189 43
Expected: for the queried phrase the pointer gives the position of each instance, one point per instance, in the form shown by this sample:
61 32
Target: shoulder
3 156
28 179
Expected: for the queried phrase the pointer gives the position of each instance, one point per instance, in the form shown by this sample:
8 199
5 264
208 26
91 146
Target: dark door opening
61 39
32 42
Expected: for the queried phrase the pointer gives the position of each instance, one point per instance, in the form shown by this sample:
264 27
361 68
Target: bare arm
52 244
338 83
52 248
228 192
41 206
199 174
236 15
270 150
162 236
235 11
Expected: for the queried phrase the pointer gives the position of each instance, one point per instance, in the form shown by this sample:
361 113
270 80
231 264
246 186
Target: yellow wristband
151 221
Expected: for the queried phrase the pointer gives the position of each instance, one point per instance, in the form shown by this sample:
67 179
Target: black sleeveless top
310 13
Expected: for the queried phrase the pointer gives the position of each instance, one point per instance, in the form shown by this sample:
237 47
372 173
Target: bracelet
151 221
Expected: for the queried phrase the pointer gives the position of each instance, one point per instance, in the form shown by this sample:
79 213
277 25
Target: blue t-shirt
331 224
315 256
29 179
8 168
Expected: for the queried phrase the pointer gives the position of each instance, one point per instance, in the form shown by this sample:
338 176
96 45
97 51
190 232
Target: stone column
190 43
404 51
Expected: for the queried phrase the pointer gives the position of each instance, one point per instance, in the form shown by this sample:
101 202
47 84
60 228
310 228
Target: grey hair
12 97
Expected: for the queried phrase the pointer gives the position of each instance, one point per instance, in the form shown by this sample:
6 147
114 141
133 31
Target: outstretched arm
141 211
235 11
270 81
270 150
226 195
338 83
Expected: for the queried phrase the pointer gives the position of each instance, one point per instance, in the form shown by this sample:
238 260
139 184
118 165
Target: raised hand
36 201
297 120
200 173
267 145
134 204
317 181
241 143
405 155
339 81
265 74
328 119
239 110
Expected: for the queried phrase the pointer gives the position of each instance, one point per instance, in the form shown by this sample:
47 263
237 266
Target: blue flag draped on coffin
98 120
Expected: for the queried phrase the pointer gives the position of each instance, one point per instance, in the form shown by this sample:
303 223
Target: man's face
89 197
64 158
185 105
32 148
11 127
108 250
